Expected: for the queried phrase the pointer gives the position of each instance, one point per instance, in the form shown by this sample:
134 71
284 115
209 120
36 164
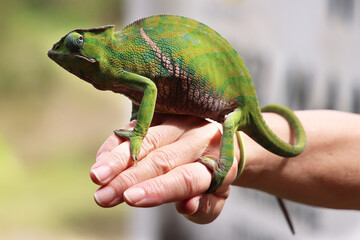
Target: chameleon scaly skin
175 65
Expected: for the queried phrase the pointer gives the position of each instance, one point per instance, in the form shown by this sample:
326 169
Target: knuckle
157 189
151 141
119 160
190 180
124 181
129 178
163 161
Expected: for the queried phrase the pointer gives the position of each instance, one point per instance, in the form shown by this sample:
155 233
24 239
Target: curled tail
263 135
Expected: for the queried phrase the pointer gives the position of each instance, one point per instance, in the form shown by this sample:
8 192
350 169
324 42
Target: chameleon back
196 71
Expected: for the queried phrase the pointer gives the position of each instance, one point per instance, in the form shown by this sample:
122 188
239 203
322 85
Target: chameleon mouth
52 54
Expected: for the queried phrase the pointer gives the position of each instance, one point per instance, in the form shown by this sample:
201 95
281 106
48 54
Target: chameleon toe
218 176
122 133
135 146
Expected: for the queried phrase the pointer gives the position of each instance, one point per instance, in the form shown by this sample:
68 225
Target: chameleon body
172 64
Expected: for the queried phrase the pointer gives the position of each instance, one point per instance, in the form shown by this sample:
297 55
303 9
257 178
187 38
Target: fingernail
102 173
134 195
104 196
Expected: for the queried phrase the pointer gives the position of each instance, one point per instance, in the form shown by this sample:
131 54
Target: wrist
261 166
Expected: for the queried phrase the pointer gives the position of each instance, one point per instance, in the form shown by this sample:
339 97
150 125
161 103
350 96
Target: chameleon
176 65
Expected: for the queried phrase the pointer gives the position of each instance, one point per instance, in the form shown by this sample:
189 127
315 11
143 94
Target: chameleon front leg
144 112
221 166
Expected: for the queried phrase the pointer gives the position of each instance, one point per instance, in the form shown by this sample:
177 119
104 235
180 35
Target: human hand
168 170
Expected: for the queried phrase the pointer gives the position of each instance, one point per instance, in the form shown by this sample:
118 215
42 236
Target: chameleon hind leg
221 166
144 113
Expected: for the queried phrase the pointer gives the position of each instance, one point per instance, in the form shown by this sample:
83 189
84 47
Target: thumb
203 208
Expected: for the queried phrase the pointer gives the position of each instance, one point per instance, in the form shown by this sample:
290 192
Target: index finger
113 141
115 157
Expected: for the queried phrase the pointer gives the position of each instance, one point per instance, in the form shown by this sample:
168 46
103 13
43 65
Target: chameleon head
83 52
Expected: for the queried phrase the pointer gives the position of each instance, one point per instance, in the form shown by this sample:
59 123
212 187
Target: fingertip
110 143
107 197
101 175
104 196
202 209
94 178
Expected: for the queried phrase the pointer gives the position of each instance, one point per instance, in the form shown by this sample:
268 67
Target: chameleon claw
135 157
135 142
135 161
209 163
218 176
135 145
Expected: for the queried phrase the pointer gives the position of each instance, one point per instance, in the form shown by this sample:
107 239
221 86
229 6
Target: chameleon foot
218 174
135 142
123 133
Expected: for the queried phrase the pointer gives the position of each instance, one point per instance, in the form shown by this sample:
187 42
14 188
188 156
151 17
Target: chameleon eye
74 41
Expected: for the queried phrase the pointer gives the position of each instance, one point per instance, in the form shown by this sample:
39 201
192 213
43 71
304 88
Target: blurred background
51 125
303 54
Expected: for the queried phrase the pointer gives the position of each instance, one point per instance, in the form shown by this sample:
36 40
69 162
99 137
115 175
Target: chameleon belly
191 101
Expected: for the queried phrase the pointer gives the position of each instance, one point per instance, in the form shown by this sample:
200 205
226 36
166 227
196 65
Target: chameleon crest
176 65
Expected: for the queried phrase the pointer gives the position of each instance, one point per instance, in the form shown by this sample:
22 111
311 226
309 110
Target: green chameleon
176 65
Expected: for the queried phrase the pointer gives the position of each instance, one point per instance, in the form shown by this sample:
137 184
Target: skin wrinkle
165 156
151 141
164 161
123 182
117 162
190 178
153 138
155 190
